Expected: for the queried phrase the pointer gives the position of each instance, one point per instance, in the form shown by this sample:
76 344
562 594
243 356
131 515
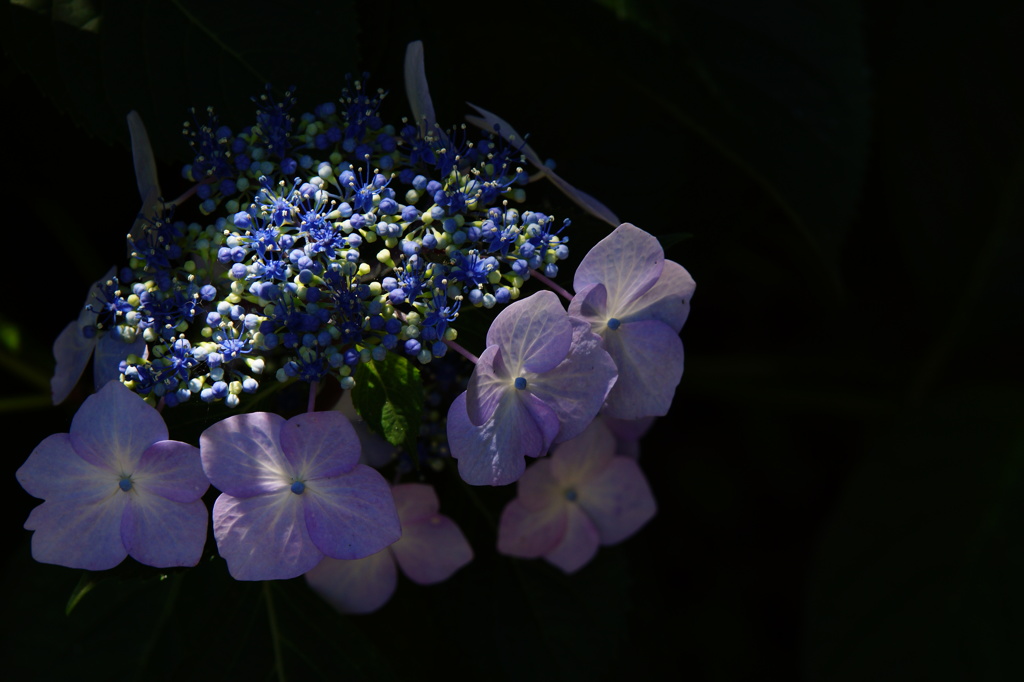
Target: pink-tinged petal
55 471
494 453
114 426
79 533
582 199
242 455
538 488
576 461
356 586
618 500
627 262
495 124
173 470
534 333
72 351
531 533
578 545
264 537
320 445
159 532
488 383
576 389
415 502
416 88
110 352
649 357
351 516
668 300
431 549
628 433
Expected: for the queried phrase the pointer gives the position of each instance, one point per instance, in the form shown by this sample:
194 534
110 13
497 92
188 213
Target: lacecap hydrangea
339 249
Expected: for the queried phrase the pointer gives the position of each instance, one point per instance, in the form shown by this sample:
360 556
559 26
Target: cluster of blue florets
341 238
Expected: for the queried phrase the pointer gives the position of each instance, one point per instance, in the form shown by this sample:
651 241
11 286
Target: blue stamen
613 323
298 487
125 484
520 383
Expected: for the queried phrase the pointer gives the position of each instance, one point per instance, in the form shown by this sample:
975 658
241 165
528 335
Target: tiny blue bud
613 323
298 487
125 484
520 383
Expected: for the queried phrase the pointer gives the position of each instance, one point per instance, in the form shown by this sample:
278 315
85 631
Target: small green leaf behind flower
389 396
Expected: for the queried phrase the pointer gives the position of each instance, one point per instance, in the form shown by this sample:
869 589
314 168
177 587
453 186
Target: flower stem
461 351
275 636
311 405
551 285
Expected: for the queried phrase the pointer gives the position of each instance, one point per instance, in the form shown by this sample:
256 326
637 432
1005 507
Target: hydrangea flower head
580 497
431 549
637 302
115 486
293 491
541 380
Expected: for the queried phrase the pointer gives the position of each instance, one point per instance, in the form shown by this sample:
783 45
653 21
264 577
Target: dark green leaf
389 396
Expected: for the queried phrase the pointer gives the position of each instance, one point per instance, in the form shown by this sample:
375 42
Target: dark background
839 479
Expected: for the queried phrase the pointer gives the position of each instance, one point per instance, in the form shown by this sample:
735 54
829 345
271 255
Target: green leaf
389 396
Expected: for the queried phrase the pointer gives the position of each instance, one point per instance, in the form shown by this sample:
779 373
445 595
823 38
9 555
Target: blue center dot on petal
570 495
613 323
520 383
125 484
298 487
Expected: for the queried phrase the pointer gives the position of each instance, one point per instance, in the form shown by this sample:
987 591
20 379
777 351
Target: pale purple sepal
160 532
577 388
649 357
493 123
305 437
242 454
87 520
264 537
79 533
113 427
669 299
72 349
488 383
351 516
299 494
494 453
359 586
432 547
173 470
417 90
534 333
627 262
